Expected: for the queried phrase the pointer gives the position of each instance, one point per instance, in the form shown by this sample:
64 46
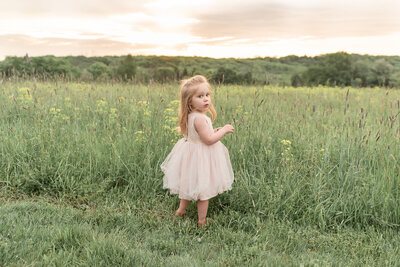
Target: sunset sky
208 28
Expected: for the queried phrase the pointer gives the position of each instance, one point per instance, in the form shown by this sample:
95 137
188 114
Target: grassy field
316 177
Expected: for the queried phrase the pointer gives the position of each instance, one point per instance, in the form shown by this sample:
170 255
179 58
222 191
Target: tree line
49 67
341 69
336 69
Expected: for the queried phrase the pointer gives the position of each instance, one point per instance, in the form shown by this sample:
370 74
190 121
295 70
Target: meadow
316 177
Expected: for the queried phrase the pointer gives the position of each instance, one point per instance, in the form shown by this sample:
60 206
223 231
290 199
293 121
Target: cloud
324 19
18 45
205 27
70 8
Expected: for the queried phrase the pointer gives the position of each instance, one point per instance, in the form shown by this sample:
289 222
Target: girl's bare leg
182 206
202 207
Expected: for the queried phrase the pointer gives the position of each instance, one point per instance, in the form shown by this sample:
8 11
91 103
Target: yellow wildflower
286 142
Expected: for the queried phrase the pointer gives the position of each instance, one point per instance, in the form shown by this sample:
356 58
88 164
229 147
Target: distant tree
86 76
98 69
15 66
225 75
177 73
51 66
296 80
127 68
143 76
289 59
335 69
247 78
361 72
164 74
395 80
314 75
382 71
185 73
356 83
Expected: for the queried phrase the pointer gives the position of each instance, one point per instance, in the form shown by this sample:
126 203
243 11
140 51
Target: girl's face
201 100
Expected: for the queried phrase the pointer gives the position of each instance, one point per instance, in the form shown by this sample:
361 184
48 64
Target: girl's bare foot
201 224
179 213
206 221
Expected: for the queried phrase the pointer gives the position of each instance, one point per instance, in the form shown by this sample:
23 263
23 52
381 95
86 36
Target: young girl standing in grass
198 167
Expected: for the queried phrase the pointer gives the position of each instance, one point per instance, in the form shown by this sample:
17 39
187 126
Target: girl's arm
207 136
217 129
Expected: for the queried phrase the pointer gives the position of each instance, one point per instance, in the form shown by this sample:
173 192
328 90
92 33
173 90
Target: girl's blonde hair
188 90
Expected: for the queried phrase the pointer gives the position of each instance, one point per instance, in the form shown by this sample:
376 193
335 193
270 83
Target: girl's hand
207 135
228 129
216 130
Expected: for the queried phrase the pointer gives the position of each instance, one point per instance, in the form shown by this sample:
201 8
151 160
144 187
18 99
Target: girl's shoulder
197 118
197 114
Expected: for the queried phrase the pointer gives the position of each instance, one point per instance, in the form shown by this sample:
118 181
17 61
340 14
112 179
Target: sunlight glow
201 28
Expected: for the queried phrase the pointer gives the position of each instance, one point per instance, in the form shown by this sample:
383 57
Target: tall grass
320 156
316 177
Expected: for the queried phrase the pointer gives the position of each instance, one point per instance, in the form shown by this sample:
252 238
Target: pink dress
194 170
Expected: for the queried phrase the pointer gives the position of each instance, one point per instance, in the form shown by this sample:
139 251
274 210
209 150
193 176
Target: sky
206 28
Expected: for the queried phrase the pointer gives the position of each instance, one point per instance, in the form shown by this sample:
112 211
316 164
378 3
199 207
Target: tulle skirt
196 171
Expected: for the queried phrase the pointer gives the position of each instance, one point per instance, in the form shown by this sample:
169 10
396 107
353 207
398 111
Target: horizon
257 28
257 57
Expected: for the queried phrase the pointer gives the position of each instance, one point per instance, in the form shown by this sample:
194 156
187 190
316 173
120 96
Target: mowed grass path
316 177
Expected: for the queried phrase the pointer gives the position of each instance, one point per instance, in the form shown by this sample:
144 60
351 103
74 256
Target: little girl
198 167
